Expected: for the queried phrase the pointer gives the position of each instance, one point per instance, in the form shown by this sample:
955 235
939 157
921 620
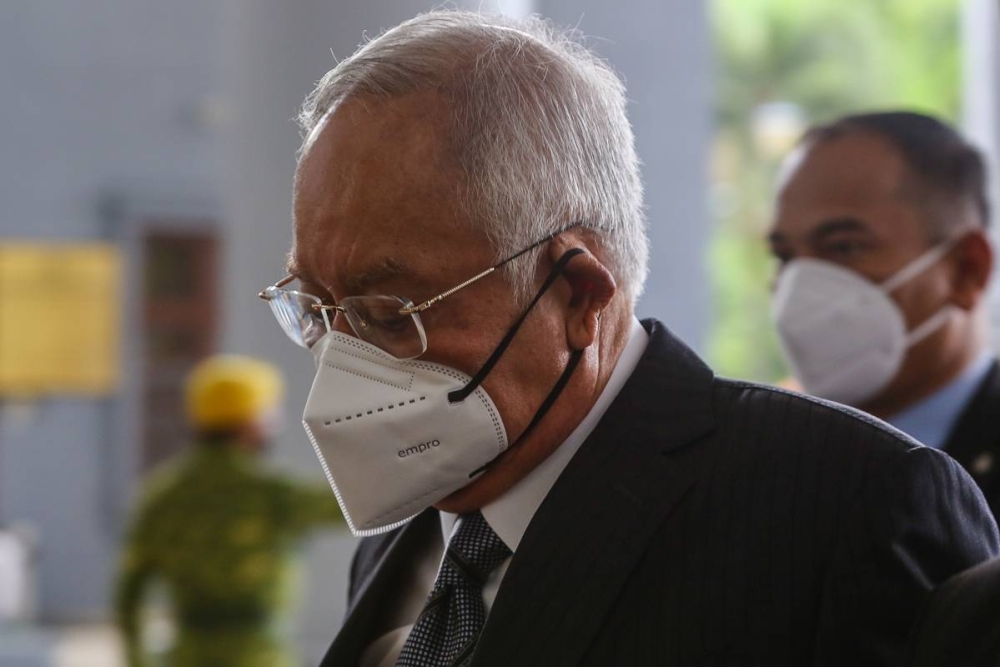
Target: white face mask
395 437
843 335
389 440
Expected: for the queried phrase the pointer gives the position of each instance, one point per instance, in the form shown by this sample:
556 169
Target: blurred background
147 157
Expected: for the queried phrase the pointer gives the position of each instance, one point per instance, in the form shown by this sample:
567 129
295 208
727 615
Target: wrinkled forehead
854 174
854 166
393 143
378 168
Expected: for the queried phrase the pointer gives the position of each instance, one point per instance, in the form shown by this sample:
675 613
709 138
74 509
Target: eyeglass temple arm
281 283
430 302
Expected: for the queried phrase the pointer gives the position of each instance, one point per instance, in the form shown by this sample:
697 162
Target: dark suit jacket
960 626
713 522
975 440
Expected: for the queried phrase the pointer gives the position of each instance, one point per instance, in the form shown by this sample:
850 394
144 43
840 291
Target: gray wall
99 98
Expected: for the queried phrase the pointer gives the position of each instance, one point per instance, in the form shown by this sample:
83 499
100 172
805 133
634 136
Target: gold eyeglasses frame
414 309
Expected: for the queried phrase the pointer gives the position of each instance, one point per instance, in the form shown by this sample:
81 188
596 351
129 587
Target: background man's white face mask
843 335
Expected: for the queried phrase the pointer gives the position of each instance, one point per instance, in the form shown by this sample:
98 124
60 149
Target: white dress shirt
508 515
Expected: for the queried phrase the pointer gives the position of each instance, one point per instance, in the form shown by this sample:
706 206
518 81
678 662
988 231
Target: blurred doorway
179 310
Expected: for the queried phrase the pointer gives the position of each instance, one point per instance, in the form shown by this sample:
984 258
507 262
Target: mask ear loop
918 266
928 326
549 401
460 395
911 271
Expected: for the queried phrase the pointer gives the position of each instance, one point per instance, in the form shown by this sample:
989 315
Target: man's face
377 212
846 201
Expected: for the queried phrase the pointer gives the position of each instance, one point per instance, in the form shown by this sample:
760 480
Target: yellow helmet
228 391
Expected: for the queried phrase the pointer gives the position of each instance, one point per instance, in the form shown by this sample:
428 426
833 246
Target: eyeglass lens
377 320
302 323
374 319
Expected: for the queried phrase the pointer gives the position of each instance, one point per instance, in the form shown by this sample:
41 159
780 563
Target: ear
592 289
973 263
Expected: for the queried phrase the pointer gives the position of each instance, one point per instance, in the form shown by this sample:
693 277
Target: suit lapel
977 433
595 523
376 587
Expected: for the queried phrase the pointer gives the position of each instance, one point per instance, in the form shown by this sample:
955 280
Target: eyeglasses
390 323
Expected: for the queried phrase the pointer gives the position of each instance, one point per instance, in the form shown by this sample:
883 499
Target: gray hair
538 125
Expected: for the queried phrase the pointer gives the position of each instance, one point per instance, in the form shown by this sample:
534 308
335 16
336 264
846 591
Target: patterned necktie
447 629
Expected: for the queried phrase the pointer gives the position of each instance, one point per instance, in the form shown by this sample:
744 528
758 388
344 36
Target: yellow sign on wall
60 318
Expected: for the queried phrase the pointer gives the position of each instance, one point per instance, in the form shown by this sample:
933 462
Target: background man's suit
975 440
960 625
712 522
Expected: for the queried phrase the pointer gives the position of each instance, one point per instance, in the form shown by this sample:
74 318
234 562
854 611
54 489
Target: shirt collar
931 420
510 514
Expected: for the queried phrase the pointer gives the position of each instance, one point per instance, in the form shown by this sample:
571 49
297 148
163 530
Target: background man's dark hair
948 173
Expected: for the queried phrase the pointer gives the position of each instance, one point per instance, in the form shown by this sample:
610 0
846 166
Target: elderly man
881 235
542 479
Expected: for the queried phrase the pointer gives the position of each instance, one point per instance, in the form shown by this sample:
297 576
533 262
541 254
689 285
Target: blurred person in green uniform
219 532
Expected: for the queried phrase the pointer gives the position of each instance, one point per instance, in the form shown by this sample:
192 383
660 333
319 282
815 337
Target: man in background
881 232
220 532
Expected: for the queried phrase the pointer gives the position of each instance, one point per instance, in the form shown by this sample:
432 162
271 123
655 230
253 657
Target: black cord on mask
460 395
557 388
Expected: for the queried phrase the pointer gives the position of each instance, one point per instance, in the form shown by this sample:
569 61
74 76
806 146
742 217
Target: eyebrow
382 270
825 229
776 238
837 226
